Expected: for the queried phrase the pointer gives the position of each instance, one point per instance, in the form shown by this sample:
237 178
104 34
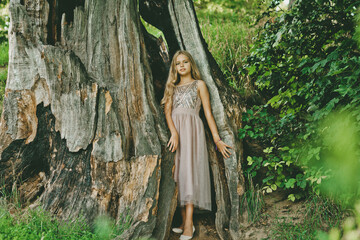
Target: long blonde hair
174 78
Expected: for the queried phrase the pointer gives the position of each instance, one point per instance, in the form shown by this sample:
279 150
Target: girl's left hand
223 148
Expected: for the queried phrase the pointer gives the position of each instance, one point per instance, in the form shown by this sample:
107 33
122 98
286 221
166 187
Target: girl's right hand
173 142
223 148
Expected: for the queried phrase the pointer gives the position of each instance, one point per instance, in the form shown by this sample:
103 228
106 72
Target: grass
4 58
4 54
229 43
3 77
321 214
19 222
38 224
253 201
228 36
350 229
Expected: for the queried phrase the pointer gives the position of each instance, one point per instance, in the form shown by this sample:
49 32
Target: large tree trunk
82 131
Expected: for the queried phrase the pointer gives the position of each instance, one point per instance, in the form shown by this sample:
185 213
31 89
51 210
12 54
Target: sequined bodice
190 99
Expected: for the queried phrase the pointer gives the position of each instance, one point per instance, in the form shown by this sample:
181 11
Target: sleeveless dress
192 172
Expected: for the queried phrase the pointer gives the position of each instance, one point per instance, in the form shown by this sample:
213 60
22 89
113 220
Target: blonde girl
185 92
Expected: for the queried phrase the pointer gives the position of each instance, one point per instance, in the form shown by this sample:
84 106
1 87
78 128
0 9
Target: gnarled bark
82 131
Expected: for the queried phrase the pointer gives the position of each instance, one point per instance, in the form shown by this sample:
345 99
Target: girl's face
183 66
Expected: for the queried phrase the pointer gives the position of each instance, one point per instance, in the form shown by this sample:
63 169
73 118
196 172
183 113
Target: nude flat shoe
183 237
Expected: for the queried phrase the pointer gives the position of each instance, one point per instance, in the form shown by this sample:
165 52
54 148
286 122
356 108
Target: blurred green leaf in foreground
340 156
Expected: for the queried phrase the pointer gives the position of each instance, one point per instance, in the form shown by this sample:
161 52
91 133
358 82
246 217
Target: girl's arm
174 139
205 99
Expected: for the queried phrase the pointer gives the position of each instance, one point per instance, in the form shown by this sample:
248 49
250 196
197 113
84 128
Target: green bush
306 64
277 164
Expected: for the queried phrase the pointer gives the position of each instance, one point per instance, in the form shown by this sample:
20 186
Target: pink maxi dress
192 172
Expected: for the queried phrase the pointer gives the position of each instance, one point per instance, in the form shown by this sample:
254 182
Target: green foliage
307 65
3 3
357 29
349 229
229 43
288 230
252 201
228 28
4 54
339 140
38 224
106 228
4 21
340 132
4 49
152 30
3 78
307 57
230 10
319 214
17 222
280 159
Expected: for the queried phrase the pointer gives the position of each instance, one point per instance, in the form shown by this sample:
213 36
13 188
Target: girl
184 94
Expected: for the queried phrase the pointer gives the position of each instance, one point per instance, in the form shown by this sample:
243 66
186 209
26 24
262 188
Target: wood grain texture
82 132
80 104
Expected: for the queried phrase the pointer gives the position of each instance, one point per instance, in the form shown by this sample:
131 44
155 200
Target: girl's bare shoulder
201 84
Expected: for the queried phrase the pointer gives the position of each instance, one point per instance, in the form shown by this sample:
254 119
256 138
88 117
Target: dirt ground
276 207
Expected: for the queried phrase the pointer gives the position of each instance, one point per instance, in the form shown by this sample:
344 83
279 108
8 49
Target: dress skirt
192 172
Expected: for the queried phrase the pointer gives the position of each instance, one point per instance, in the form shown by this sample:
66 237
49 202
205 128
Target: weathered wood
101 130
159 63
82 132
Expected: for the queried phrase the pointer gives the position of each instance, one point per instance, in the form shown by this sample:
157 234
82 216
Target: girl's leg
183 216
188 228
